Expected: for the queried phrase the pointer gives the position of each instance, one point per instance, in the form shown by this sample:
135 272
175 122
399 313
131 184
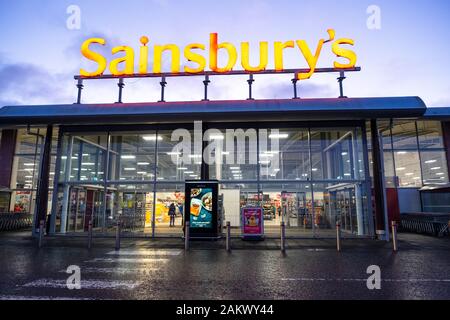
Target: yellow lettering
344 53
143 56
175 64
263 56
128 58
279 47
195 57
310 58
214 48
91 55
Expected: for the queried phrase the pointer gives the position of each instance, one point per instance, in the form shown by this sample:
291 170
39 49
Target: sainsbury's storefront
309 163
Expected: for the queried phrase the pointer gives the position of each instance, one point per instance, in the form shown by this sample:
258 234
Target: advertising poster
252 222
201 208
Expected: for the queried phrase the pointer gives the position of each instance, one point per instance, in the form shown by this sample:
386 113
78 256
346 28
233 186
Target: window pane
404 135
407 168
232 155
434 167
87 161
385 131
26 173
336 154
430 134
26 143
175 163
389 169
133 156
285 155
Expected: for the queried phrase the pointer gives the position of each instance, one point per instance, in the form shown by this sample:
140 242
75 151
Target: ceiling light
430 161
129 169
216 137
143 163
129 156
151 138
278 135
435 168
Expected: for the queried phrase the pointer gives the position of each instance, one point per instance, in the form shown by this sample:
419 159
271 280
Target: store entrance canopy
216 111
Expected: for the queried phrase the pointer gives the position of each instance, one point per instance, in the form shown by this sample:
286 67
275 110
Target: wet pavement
160 269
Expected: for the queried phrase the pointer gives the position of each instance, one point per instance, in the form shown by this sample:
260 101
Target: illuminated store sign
195 54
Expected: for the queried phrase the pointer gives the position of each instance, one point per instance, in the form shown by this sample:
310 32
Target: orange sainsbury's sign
125 64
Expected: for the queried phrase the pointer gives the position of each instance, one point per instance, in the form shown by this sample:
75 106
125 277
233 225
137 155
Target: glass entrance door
344 208
85 204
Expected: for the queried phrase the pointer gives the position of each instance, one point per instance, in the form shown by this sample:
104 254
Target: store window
407 168
5 198
335 154
232 154
430 134
133 156
434 167
286 157
404 135
174 162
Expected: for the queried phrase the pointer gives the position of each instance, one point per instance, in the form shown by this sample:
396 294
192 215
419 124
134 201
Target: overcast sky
408 55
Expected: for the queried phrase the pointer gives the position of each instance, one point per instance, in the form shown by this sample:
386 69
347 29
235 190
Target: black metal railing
15 221
436 224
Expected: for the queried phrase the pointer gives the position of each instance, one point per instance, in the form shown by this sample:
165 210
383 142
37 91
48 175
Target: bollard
228 239
41 232
283 236
394 235
338 236
186 236
90 234
118 235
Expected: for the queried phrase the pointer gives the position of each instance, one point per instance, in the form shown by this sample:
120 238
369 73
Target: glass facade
308 176
296 174
25 171
414 154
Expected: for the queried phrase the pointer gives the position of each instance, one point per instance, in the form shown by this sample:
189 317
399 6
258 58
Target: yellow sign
124 64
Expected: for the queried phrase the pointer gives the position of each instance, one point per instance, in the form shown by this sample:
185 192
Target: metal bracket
121 84
294 83
341 86
250 82
80 87
206 82
163 84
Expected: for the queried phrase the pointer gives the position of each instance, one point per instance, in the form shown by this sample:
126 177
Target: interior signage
122 59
